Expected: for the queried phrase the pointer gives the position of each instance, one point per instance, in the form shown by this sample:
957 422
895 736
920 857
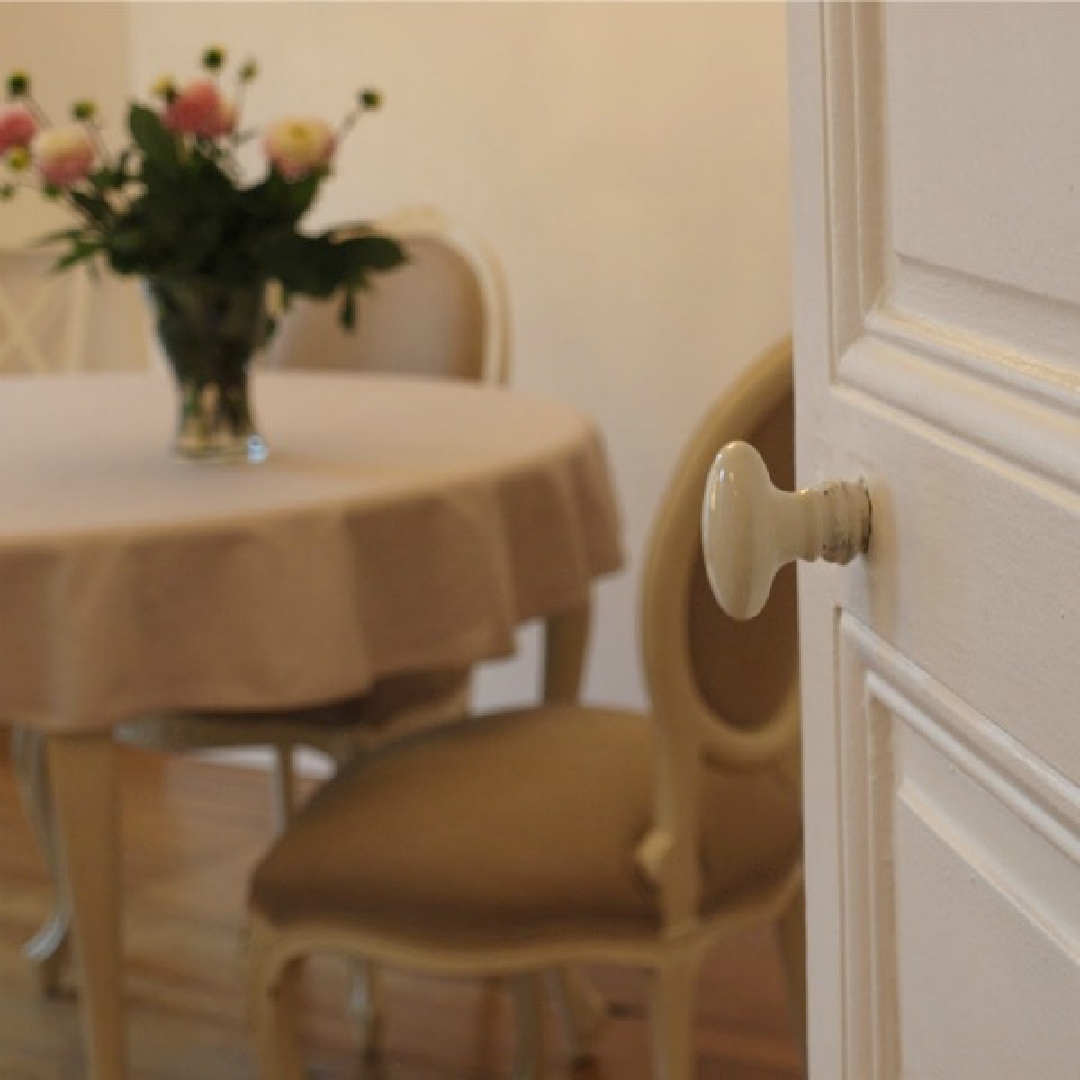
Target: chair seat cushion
521 824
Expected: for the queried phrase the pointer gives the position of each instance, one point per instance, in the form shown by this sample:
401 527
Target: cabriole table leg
82 768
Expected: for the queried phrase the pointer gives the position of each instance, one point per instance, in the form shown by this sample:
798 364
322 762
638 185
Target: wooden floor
191 831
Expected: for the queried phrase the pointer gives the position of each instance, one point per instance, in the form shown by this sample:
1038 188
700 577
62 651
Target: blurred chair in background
68 321
43 316
446 312
566 833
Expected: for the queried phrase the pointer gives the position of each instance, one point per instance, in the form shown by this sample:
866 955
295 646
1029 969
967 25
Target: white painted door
937 320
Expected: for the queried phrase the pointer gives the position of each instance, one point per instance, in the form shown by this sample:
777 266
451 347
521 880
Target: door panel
972 98
959 874
937 281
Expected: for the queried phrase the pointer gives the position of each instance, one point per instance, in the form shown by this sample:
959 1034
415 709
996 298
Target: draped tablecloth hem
328 581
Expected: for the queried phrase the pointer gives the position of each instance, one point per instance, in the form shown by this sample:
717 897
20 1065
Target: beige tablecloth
399 523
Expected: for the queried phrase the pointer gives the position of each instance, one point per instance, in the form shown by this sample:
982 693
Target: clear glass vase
210 331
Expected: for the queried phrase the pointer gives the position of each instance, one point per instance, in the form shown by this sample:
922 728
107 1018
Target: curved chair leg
529 1027
49 949
673 1016
367 1006
582 1011
791 934
490 1017
275 1001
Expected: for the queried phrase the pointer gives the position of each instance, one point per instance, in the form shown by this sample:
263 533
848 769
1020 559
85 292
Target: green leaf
152 137
93 206
285 201
303 264
81 249
348 310
51 238
373 252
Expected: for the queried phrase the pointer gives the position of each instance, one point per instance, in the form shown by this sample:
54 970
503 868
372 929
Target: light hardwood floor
191 831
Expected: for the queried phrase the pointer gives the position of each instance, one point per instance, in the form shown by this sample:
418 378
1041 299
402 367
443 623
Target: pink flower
63 155
298 147
226 118
200 109
17 126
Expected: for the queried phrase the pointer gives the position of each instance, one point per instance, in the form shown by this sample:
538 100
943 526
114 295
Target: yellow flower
164 87
18 158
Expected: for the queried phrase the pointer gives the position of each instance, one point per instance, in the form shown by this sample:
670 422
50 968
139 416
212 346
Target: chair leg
275 1004
367 1006
791 935
284 787
674 1014
582 1011
529 1027
490 1009
49 949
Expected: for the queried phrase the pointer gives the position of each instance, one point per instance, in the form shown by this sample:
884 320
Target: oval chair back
444 312
725 693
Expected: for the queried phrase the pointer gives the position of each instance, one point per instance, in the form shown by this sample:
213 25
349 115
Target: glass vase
210 332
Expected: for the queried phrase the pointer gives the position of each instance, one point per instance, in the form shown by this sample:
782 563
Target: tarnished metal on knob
750 529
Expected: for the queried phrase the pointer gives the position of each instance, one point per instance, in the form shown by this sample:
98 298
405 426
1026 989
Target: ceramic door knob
750 529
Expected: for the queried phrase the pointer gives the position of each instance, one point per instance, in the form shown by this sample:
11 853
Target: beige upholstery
528 817
567 832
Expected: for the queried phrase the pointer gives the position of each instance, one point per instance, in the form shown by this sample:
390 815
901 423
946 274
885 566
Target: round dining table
398 524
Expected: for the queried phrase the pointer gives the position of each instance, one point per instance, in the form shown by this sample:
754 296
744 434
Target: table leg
47 950
82 768
566 644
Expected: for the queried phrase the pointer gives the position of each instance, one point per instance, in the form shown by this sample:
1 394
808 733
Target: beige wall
628 162
71 50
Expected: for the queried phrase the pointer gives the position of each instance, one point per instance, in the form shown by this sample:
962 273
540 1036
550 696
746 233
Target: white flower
63 155
298 147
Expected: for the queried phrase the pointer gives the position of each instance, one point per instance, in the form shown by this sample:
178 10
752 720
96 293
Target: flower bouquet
173 208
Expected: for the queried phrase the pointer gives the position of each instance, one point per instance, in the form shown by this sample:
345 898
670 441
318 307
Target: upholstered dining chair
566 833
60 322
